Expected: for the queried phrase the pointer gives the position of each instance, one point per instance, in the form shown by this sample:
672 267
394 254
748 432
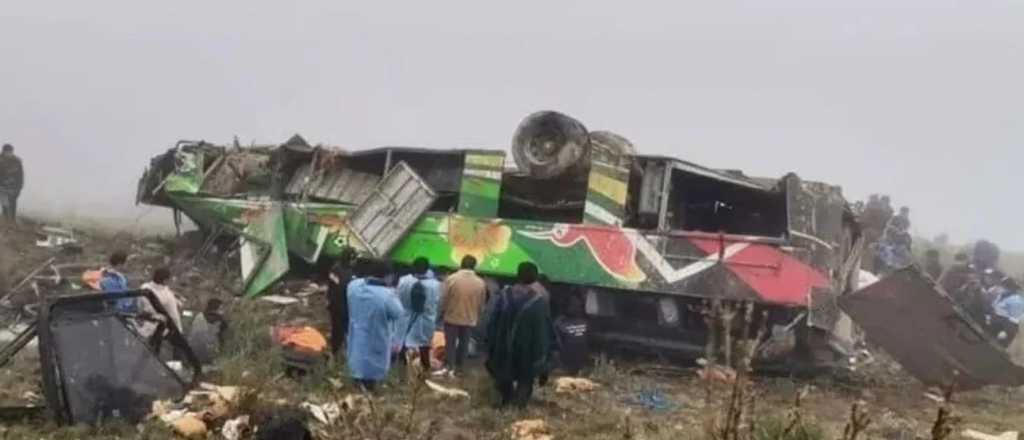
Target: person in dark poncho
519 339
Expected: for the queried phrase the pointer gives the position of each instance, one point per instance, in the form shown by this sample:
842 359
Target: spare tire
611 147
549 144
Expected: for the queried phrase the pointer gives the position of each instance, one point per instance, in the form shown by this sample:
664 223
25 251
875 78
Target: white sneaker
441 372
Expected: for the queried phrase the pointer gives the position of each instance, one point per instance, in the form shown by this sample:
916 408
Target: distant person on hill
12 179
901 221
887 211
933 264
954 278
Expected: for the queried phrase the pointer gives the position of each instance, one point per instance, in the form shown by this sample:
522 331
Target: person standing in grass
419 293
519 339
12 179
373 310
462 299
338 278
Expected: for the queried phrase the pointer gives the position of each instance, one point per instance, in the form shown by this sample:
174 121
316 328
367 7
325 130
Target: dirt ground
634 401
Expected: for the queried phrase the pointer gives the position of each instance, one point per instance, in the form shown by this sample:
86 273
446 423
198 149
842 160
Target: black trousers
339 330
456 345
10 207
517 392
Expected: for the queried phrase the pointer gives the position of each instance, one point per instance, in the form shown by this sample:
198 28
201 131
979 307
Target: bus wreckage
645 241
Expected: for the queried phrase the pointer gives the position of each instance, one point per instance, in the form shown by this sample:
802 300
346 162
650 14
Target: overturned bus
645 241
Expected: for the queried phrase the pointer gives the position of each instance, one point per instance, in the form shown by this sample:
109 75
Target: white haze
919 99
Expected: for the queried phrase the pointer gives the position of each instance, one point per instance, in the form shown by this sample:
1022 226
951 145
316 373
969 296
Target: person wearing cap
12 180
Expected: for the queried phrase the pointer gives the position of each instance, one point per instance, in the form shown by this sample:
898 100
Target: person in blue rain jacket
420 293
373 310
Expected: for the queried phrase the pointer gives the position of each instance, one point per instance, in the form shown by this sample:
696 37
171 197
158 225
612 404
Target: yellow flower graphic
479 239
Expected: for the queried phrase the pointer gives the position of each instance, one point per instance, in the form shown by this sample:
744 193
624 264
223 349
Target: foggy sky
920 99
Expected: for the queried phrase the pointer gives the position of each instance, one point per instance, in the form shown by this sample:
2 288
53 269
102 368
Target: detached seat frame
74 308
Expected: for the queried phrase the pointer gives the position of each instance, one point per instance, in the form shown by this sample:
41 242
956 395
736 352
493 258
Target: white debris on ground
447 391
201 408
977 435
236 428
565 385
533 429
326 413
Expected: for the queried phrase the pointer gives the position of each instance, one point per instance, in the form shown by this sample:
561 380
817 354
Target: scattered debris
310 290
446 391
934 397
574 385
189 427
208 404
355 402
716 373
534 429
326 413
280 300
652 400
978 435
24 281
236 429
53 237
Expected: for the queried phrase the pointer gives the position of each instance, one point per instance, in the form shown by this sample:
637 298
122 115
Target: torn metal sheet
237 172
264 251
344 185
395 205
920 326
305 237
188 173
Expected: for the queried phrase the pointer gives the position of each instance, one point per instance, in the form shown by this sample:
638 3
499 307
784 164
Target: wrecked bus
645 241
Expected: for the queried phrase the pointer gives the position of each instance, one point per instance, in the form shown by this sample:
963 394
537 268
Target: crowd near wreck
647 245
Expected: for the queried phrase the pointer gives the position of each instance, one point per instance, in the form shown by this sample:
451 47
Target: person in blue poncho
420 293
373 309
1008 307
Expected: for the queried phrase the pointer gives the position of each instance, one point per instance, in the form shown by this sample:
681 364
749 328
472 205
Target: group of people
986 293
887 233
379 323
12 180
152 325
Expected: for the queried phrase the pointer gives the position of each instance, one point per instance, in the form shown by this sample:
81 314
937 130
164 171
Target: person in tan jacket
462 298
